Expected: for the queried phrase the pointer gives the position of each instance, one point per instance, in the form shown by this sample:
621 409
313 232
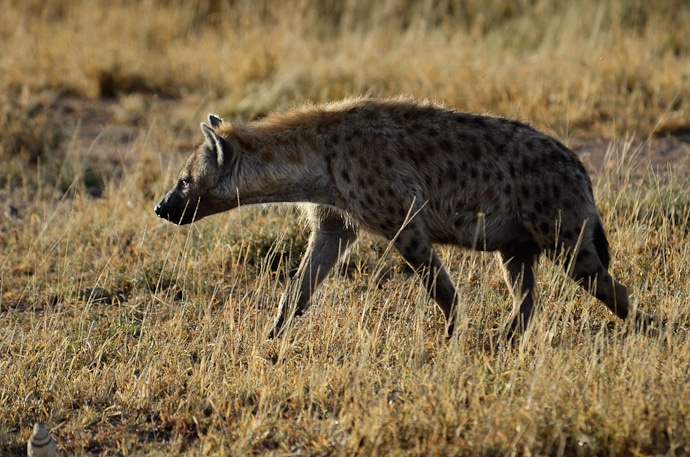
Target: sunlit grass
130 336
172 354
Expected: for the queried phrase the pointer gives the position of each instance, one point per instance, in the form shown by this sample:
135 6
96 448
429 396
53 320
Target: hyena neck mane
276 160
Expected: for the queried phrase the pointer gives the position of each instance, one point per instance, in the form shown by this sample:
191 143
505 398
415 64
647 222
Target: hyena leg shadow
590 269
421 256
519 263
331 235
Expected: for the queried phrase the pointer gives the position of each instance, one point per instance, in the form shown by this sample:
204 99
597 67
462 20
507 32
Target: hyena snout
174 209
158 209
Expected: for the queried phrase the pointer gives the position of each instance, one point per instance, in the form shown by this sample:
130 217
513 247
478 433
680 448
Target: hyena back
417 174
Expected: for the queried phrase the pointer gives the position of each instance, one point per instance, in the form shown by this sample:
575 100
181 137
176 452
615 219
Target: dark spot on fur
507 189
475 151
445 144
548 144
408 153
472 208
412 245
546 202
386 227
478 121
432 132
524 190
417 158
556 156
527 166
545 228
346 176
511 169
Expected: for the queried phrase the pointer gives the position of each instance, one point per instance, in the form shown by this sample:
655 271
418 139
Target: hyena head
198 190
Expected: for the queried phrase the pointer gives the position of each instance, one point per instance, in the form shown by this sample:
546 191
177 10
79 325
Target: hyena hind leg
613 294
519 263
591 271
331 235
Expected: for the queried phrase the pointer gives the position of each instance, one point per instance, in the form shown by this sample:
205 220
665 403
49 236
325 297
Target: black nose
158 210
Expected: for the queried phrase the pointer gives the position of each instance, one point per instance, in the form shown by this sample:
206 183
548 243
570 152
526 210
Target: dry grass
609 67
131 336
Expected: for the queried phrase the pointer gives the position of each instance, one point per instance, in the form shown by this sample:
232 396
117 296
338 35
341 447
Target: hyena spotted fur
415 173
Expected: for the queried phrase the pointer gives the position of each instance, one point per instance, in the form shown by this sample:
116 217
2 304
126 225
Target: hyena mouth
177 215
165 213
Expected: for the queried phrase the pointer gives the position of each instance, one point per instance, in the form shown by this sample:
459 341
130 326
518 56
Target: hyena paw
449 331
277 329
273 334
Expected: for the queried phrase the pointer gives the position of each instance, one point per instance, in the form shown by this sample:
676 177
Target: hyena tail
601 244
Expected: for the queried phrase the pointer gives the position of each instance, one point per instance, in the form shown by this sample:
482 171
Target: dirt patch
662 155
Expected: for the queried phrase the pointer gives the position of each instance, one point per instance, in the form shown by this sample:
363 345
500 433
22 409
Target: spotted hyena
415 173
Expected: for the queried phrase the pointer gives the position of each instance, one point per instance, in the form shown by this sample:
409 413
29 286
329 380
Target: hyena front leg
330 237
421 256
519 264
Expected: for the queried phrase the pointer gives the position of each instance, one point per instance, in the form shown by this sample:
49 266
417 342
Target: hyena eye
184 183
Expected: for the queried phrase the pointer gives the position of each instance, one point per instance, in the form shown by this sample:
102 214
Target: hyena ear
215 142
215 121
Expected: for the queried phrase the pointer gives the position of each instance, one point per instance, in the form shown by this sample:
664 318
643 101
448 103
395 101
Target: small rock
41 443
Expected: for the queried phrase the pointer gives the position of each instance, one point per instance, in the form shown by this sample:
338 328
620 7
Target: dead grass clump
28 137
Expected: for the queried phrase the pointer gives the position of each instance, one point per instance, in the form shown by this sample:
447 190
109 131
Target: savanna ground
131 336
